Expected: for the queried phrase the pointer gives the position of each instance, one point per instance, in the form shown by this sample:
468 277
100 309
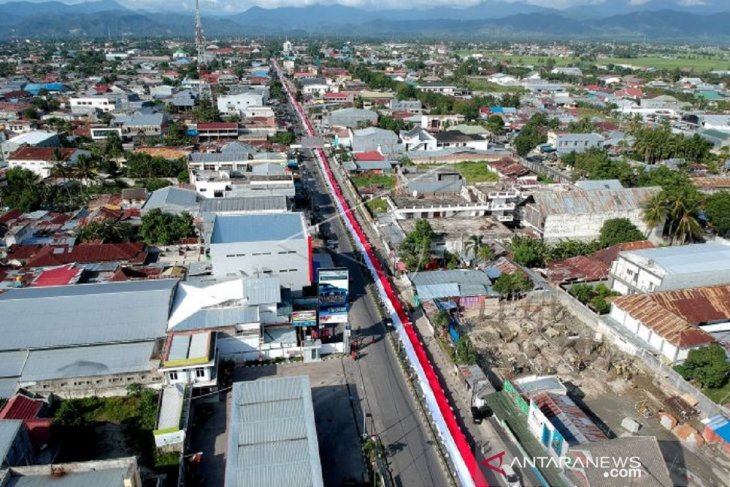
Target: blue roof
257 228
35 88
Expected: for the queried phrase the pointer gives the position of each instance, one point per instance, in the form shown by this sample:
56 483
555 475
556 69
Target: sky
241 5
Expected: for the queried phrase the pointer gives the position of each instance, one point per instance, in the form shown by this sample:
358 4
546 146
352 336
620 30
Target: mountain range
490 19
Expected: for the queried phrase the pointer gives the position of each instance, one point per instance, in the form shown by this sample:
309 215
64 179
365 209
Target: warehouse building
272 436
258 245
81 340
667 268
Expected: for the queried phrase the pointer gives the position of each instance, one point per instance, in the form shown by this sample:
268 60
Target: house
33 414
263 244
464 287
503 79
591 268
441 88
315 86
217 130
15 447
669 268
172 200
86 253
280 446
101 338
220 161
37 138
141 124
456 139
190 358
233 104
580 214
352 117
407 106
511 170
120 472
375 139
339 97
91 104
566 143
672 323
418 139
567 71
41 160
436 123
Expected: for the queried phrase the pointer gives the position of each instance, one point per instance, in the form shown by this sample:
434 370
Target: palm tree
85 168
475 245
687 227
655 212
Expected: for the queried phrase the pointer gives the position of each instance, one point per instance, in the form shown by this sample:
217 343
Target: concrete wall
585 227
103 386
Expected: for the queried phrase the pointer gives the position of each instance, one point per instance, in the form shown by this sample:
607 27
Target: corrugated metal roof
592 185
11 364
684 259
8 386
218 317
112 477
231 156
170 406
179 347
85 314
675 315
451 283
258 228
245 204
171 196
98 360
199 345
262 290
580 202
272 439
9 429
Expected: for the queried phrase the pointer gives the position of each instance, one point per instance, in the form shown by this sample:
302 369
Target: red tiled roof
102 88
59 276
41 153
21 407
88 253
369 156
630 92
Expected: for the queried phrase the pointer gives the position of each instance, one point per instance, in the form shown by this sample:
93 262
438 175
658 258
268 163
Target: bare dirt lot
543 338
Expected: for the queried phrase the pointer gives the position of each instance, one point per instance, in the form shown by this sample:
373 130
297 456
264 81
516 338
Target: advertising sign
333 315
304 318
333 287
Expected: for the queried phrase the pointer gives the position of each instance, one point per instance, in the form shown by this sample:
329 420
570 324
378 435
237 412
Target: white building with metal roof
669 268
256 245
272 435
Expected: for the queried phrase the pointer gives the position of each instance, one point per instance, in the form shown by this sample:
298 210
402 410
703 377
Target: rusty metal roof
675 315
594 267
580 202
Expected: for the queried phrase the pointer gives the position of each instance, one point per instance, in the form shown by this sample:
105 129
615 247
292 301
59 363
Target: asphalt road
412 454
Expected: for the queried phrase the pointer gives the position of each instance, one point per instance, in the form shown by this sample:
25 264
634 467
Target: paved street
395 415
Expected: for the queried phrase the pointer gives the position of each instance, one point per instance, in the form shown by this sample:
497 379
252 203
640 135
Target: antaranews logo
611 467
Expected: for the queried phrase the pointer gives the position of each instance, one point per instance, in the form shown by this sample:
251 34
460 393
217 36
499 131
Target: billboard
333 315
333 287
304 318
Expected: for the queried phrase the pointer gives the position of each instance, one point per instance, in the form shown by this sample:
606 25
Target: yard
365 180
473 171
109 427
377 206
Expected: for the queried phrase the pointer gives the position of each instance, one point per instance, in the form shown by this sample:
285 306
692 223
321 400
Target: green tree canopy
160 228
717 209
465 352
706 365
619 230
528 251
511 285
415 250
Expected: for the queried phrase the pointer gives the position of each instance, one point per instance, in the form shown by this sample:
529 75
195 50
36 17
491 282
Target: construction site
538 335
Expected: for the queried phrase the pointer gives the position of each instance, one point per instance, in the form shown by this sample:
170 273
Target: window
199 373
293 270
173 375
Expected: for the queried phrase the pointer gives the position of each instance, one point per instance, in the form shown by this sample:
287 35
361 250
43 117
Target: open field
680 61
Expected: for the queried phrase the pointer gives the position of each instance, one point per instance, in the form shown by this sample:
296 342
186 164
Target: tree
106 232
473 245
390 123
528 251
465 352
160 228
511 285
707 365
85 168
415 250
495 124
286 138
442 319
619 230
717 209
531 134
655 212
23 190
582 292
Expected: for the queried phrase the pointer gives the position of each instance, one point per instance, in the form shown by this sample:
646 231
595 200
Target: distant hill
487 20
